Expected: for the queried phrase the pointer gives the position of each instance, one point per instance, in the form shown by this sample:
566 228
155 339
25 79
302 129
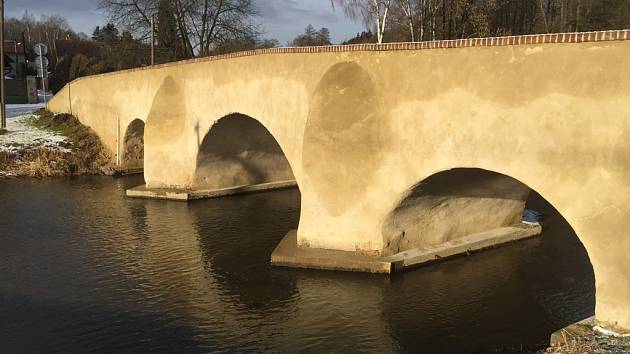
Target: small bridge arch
133 146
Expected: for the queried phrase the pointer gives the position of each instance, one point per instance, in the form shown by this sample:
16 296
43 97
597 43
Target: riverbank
587 337
43 144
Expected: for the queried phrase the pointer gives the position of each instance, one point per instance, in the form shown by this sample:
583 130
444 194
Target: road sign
40 73
42 62
40 49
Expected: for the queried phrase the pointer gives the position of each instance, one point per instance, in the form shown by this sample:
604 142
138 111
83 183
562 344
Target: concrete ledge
465 245
288 254
186 195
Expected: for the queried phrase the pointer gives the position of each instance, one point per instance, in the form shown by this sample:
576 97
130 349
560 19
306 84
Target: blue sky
282 19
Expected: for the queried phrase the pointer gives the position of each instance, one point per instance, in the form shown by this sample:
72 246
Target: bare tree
410 13
48 30
416 14
372 12
202 25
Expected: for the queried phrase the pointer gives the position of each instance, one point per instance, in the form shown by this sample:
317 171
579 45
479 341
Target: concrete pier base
186 195
288 254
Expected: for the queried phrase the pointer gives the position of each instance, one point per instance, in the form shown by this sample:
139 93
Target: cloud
281 19
83 15
284 19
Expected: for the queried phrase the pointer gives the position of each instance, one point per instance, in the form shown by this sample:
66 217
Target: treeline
72 55
422 20
185 29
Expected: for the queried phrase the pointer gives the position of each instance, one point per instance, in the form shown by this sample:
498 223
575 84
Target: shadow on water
84 269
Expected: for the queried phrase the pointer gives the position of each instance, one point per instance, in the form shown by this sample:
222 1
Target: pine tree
168 39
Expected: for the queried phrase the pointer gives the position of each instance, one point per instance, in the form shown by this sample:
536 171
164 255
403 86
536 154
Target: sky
281 19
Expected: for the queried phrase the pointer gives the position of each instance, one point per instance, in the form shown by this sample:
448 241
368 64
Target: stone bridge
394 147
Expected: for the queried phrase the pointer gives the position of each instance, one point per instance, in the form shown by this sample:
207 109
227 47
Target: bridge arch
452 204
239 150
133 145
458 202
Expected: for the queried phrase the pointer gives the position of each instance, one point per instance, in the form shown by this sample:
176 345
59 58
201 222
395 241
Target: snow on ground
17 110
20 135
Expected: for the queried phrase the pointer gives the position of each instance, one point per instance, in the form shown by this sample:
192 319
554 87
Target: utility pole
152 39
3 112
24 52
44 73
17 61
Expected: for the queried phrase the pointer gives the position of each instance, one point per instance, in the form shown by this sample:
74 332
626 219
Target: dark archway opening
133 148
453 204
239 151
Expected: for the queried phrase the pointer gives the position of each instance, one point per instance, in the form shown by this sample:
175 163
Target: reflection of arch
268 216
237 151
133 146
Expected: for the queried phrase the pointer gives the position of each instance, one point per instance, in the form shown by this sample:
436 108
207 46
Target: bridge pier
289 254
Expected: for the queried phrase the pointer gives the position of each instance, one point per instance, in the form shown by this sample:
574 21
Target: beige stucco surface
359 129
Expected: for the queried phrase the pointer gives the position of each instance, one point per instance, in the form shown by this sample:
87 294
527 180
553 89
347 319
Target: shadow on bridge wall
345 134
167 117
237 151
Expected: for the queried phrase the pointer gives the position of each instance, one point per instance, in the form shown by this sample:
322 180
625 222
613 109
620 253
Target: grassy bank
81 152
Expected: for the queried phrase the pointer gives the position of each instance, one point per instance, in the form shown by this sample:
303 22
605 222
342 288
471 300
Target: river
84 269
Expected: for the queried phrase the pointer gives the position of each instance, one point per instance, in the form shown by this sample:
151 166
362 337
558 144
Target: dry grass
590 344
87 156
574 347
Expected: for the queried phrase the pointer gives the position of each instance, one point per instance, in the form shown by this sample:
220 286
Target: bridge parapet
526 39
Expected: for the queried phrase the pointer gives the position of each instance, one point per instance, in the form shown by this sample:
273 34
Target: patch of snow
607 332
17 110
21 135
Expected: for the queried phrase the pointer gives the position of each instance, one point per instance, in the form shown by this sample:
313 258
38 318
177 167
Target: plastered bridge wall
360 126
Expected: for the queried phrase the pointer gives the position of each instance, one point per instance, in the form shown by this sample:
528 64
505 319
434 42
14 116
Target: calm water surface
83 269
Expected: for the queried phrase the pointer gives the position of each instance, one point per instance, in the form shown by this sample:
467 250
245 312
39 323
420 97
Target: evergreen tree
168 38
108 34
312 37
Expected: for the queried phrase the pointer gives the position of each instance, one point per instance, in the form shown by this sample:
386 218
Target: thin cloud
281 19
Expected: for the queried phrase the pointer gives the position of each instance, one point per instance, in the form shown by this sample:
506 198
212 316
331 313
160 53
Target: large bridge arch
452 204
609 264
239 150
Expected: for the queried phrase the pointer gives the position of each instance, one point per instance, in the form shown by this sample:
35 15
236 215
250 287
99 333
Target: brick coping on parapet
573 37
